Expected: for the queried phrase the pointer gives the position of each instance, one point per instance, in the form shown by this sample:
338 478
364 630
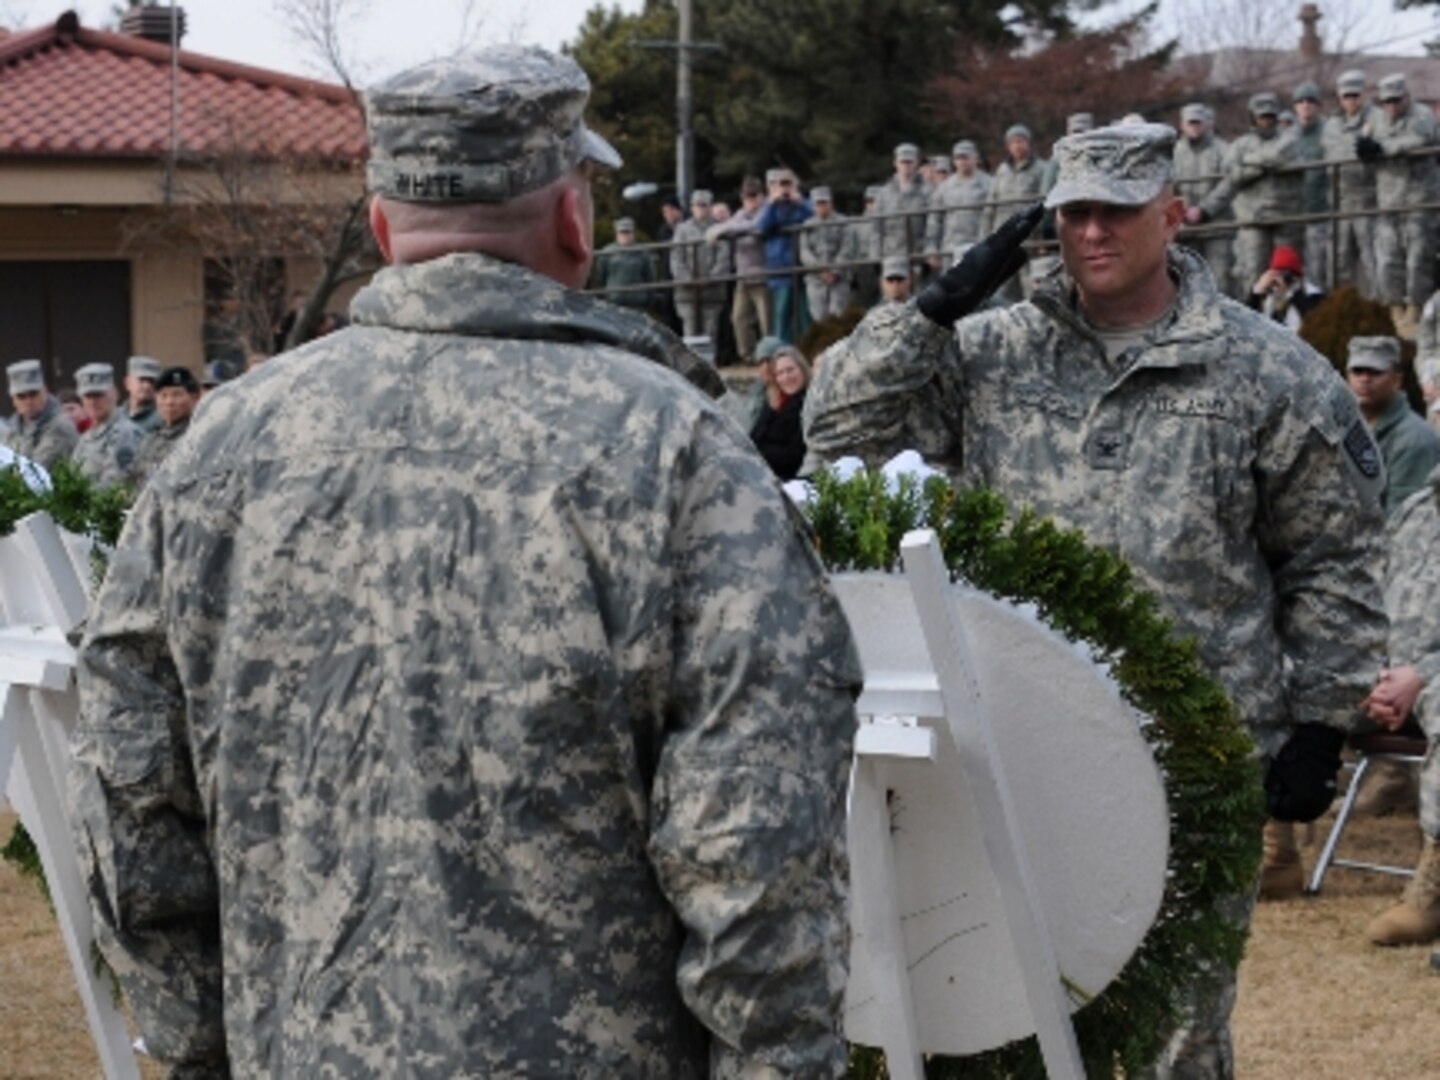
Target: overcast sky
389 35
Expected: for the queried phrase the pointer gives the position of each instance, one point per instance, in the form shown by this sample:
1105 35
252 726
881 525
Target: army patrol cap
964 148
1393 88
484 127
941 163
1306 91
1350 82
702 197
895 266
1017 131
624 224
820 194
94 379
1125 165
1264 104
1195 111
1079 122
907 151
1373 354
143 367
25 377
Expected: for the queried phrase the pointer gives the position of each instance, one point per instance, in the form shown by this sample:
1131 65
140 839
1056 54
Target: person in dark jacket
1283 292
776 432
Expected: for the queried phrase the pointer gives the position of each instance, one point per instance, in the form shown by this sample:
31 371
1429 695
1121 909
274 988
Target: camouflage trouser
1201 1049
1215 250
699 311
1430 781
1317 253
826 300
1355 258
1405 257
1254 245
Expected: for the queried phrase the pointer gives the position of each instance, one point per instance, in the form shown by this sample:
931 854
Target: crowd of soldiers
110 441
1245 198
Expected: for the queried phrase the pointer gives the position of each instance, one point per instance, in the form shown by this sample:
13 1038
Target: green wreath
1211 781
79 506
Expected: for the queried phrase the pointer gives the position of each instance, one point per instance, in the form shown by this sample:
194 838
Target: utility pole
684 46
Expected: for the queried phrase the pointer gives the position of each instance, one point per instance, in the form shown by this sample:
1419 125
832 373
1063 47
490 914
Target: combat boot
1391 787
1416 919
1282 876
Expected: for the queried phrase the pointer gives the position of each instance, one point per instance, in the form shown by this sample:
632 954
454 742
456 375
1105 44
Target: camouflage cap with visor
483 127
1125 165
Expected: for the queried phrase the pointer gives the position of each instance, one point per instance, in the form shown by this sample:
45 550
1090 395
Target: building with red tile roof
105 138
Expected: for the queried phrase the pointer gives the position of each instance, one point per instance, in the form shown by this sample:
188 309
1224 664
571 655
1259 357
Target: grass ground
1316 1002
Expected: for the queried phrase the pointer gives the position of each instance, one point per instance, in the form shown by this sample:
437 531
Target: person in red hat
1283 292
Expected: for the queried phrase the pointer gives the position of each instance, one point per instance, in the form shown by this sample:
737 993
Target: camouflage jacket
491 718
1357 178
155 447
957 207
1403 178
824 243
1412 595
106 453
48 439
693 258
903 235
1253 184
1225 460
1204 157
1010 189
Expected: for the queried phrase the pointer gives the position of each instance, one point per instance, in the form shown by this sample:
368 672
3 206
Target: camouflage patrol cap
941 163
1079 122
1126 165
1194 111
964 148
1306 91
1264 104
624 224
820 194
486 127
94 379
1393 87
1350 82
1373 354
1017 131
895 266
702 197
25 377
907 151
143 367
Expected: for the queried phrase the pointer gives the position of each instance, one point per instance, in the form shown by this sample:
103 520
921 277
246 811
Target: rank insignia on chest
1108 449
1362 450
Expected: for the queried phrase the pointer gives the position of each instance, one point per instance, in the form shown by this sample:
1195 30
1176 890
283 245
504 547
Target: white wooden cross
44 575
1008 830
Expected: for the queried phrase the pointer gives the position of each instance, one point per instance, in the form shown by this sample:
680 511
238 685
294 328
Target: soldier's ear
573 225
380 226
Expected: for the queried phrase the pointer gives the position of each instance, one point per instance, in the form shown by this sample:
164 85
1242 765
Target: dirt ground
1316 1002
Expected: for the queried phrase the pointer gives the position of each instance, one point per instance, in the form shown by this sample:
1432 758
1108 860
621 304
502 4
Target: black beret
180 377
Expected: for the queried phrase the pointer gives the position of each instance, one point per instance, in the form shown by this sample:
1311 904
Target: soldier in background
493 716
904 193
895 279
1216 452
1199 180
40 431
1408 445
1404 240
140 375
693 258
867 248
1355 256
177 392
958 205
751 309
1314 183
619 265
1017 181
1259 191
828 239
106 452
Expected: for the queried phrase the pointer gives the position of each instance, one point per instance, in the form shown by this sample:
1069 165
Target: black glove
1300 785
1367 149
988 265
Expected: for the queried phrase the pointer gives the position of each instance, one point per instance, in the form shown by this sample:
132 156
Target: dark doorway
66 314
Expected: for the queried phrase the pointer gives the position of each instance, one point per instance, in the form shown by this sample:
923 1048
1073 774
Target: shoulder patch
1362 450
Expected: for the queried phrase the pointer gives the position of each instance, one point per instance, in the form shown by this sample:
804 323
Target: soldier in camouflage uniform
1199 180
693 258
491 717
620 270
1404 242
904 193
140 375
1018 180
1355 255
106 452
1258 191
39 431
957 205
1220 455
177 392
828 239
1410 688
1314 183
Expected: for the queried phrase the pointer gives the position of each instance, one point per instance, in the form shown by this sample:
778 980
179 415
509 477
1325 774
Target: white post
965 708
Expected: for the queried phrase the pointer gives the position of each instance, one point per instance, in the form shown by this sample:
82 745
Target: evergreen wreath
80 507
1211 782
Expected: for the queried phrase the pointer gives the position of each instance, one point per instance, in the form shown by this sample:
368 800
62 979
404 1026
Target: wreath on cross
1212 783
